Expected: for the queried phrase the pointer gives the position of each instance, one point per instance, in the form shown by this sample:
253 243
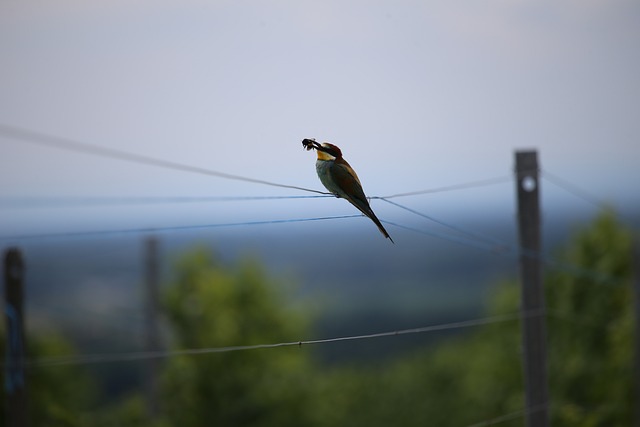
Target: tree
211 305
478 376
591 328
58 395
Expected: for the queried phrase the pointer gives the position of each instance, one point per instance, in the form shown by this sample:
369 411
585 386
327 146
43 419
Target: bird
341 180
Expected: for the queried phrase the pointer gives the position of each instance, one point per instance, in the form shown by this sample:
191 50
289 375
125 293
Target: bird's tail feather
367 211
380 227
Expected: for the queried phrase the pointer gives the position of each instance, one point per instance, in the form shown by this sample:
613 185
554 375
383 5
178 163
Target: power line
145 355
97 150
164 229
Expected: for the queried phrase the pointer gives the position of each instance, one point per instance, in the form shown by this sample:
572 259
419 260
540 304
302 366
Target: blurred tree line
469 378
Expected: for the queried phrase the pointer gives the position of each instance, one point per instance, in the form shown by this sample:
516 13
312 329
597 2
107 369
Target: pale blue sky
418 94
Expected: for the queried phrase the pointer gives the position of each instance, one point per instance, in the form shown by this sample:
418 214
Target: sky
417 94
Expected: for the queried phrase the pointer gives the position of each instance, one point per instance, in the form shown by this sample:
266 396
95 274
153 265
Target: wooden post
15 379
152 338
636 273
532 304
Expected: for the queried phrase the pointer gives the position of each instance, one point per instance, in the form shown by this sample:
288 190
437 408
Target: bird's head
326 151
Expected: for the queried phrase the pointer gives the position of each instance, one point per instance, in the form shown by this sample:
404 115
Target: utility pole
532 299
152 336
15 380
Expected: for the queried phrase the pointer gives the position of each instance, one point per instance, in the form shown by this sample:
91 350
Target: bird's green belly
323 168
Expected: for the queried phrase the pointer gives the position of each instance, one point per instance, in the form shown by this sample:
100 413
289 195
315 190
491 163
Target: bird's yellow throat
324 156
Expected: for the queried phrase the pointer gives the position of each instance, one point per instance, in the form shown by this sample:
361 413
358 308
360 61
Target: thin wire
40 138
146 355
581 193
503 248
61 202
463 186
510 416
68 144
463 241
499 244
56 202
96 150
159 229
573 189
501 419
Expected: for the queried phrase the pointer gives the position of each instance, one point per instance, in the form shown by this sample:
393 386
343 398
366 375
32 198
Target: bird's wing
348 181
345 177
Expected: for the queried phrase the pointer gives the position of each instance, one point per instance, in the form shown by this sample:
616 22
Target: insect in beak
309 144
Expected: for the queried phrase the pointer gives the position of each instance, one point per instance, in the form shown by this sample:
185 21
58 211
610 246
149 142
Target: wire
57 202
452 238
582 194
96 150
573 189
174 228
473 239
71 145
145 355
478 241
511 416
463 186
48 140
501 419
500 245
61 202
502 248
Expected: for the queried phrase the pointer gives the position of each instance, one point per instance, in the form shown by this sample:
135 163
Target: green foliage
132 412
57 395
590 339
461 381
478 376
212 305
591 328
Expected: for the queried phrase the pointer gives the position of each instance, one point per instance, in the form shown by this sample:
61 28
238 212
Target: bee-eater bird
340 179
